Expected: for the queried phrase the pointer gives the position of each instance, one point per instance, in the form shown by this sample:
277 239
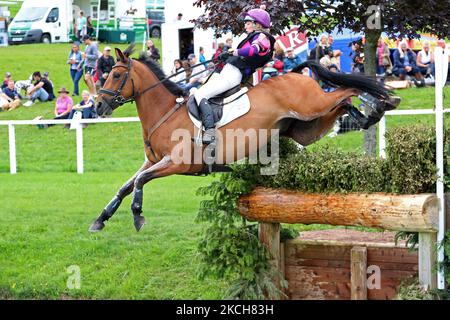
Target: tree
398 18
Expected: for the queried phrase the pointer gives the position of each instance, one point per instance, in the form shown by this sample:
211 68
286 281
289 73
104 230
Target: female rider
252 53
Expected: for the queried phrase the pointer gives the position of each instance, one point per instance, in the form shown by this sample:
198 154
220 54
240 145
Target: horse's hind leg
114 204
163 168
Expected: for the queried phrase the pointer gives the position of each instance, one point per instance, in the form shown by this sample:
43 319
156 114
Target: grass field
46 209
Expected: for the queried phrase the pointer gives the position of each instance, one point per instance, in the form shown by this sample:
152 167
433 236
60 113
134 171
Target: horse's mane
156 69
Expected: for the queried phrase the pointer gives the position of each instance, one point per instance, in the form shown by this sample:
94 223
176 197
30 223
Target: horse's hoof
139 222
392 103
96 226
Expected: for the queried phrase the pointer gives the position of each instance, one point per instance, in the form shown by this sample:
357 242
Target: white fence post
382 137
80 161
12 149
441 62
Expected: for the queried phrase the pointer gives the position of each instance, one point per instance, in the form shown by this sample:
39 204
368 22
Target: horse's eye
116 75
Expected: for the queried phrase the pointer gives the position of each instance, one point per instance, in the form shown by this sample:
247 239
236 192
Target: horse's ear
120 56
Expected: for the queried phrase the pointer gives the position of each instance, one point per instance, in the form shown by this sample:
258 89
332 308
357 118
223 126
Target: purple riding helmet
258 15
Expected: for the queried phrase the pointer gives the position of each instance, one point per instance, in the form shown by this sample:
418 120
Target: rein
119 100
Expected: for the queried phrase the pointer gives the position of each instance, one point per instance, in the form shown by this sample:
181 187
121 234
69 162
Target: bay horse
293 103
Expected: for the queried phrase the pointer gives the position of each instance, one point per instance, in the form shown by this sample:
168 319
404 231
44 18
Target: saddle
217 103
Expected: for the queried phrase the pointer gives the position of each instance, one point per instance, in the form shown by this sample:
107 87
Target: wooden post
359 273
427 260
269 236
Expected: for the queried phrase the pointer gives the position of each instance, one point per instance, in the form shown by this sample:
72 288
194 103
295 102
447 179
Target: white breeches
229 77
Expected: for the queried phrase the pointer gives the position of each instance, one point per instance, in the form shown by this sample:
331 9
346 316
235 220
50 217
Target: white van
41 21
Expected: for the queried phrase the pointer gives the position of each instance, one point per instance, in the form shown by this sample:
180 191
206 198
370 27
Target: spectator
319 50
6 80
152 51
12 97
425 60
86 107
220 49
90 57
81 25
42 90
336 59
383 55
357 56
178 67
327 59
76 69
291 60
441 44
405 64
179 17
63 107
89 27
228 44
202 58
105 65
46 76
187 68
278 53
197 75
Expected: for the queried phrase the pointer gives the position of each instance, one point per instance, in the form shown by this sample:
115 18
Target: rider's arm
260 44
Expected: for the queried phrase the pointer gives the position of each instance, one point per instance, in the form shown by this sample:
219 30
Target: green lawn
44 219
46 209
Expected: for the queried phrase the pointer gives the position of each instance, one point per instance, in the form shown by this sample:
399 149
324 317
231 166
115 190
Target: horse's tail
358 81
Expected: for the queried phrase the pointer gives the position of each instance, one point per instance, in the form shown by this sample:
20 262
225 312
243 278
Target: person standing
90 57
105 65
152 51
81 25
76 68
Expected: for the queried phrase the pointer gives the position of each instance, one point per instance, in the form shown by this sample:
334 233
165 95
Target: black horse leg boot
208 122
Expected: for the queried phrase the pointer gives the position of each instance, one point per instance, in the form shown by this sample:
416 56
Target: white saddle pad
232 110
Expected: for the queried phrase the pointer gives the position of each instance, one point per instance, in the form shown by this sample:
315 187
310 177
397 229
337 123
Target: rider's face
249 27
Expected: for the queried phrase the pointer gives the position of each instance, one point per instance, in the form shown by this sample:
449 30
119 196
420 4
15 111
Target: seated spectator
63 107
42 90
357 56
319 50
326 60
178 67
228 44
383 55
405 64
327 88
105 65
6 80
220 49
86 107
336 59
291 60
197 75
425 60
11 95
46 76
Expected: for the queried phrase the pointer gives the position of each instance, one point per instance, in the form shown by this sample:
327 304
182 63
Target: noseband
118 99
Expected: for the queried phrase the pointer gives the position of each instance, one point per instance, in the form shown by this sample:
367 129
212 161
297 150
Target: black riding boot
208 122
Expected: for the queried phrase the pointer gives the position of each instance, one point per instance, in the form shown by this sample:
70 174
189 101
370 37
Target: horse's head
119 86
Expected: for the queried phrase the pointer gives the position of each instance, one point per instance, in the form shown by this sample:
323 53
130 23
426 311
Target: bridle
118 99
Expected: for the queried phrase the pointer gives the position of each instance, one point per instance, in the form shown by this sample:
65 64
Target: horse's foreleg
114 204
161 169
